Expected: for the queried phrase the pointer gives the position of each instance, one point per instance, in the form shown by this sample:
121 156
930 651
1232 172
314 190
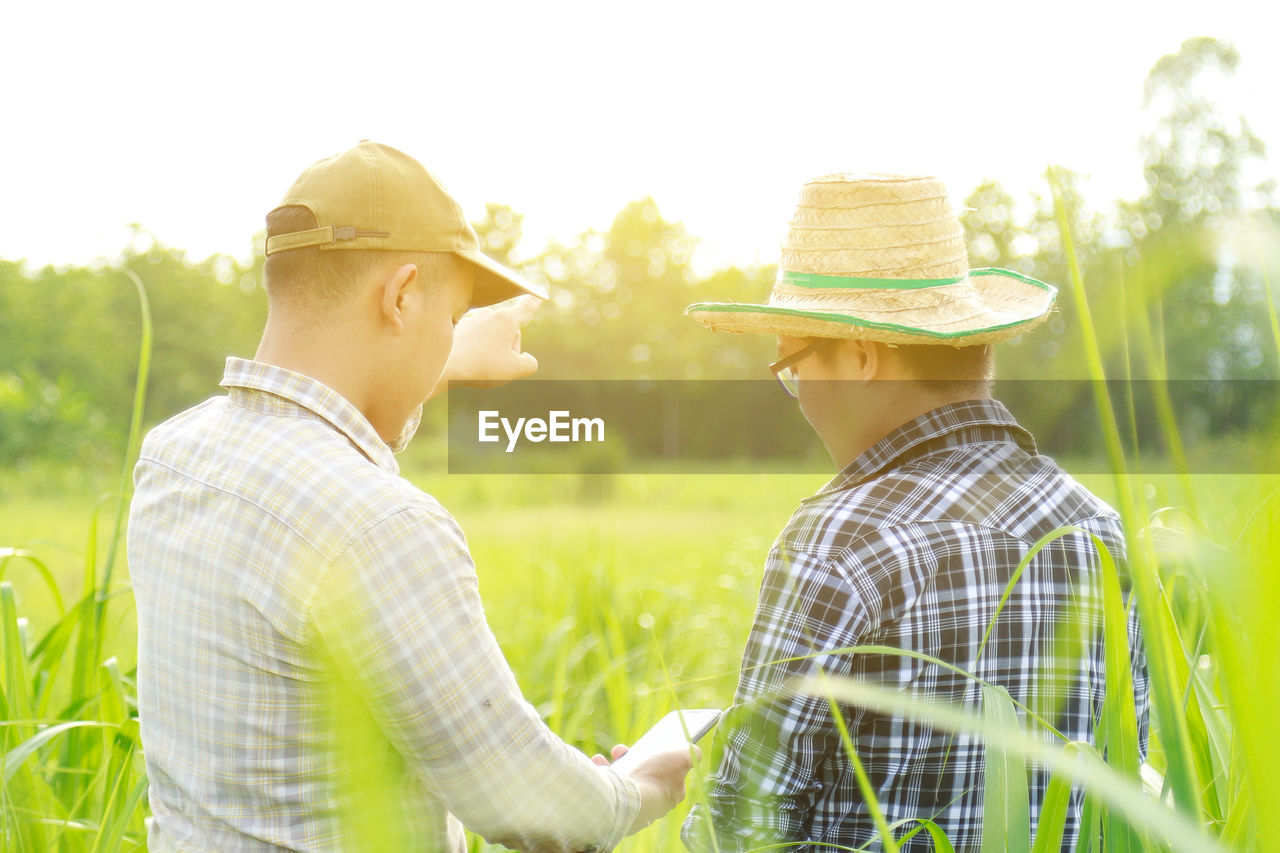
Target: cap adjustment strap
349 232
325 235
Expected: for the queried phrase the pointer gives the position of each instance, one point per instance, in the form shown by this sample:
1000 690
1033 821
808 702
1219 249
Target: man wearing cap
314 667
884 334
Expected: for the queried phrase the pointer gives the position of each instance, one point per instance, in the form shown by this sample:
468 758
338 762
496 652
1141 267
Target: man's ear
392 295
864 359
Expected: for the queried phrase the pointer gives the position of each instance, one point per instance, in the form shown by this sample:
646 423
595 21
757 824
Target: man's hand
486 346
660 778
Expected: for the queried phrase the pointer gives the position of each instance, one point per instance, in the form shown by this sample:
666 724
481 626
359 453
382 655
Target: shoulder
886 538
296 472
996 487
393 514
830 524
182 426
412 544
855 546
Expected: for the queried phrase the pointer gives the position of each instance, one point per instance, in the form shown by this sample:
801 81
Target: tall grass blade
941 844
1245 647
1159 633
1160 390
135 425
15 757
47 656
1090 823
699 793
1241 822
17 698
1084 766
887 842
1006 809
1131 408
21 785
114 835
614 657
1053 813
76 748
1218 749
50 582
1051 536
1119 724
118 781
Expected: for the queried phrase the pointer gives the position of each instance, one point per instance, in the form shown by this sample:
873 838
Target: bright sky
193 118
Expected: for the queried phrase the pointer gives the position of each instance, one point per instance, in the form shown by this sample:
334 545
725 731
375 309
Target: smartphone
669 734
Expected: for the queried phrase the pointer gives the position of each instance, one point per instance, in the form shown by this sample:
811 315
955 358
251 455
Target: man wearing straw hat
314 667
885 336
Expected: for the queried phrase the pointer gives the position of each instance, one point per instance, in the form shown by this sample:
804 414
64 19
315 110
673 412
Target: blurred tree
1032 245
997 238
990 225
1171 269
618 299
1194 156
69 346
500 231
1209 309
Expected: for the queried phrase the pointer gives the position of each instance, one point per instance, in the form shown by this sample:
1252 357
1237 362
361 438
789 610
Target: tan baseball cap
372 196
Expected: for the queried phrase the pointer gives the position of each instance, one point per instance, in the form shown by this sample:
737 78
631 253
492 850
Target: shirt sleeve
400 614
772 741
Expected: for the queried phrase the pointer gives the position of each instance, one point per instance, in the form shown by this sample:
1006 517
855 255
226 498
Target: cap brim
495 282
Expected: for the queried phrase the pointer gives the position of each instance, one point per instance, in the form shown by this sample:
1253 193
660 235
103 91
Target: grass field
591 585
586 584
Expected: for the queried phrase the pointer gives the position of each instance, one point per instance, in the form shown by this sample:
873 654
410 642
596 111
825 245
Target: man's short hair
944 370
947 370
317 280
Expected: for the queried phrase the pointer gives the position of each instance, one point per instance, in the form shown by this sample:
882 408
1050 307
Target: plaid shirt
291 587
911 546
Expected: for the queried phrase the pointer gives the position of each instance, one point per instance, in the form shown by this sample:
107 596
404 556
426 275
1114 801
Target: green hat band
813 280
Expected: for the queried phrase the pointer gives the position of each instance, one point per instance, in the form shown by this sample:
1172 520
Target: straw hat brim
988 306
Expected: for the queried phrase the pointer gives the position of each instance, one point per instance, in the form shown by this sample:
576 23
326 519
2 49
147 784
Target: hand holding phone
658 762
669 734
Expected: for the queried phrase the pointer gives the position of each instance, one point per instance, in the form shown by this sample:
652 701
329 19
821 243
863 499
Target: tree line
1176 281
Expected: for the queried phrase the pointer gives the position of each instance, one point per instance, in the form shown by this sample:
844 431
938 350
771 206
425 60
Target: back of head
949 372
934 371
310 282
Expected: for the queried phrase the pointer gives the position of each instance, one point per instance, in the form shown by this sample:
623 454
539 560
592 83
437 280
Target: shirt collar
970 422
247 381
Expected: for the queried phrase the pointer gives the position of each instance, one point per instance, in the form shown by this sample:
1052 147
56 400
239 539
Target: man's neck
331 356
897 404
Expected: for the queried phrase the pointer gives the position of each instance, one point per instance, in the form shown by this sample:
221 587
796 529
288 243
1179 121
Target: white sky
192 119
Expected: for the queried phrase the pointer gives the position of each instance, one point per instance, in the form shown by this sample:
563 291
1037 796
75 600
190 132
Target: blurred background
635 158
1175 267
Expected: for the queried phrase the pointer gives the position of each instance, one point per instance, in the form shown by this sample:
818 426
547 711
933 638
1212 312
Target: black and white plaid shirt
912 546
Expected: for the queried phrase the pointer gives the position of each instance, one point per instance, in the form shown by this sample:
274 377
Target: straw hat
882 258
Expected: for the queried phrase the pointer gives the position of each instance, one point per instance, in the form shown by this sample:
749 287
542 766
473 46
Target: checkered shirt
310 630
912 546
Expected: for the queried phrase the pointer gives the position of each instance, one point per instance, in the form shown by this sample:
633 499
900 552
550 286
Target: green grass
581 594
618 598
